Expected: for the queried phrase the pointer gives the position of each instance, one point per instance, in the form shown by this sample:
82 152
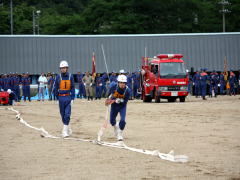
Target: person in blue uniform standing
113 77
98 82
214 80
1 83
8 82
16 88
136 84
203 83
232 81
196 83
222 83
104 84
190 83
119 95
26 81
130 84
81 93
65 93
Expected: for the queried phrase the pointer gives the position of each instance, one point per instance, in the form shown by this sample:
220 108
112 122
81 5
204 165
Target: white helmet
9 91
122 78
63 64
122 71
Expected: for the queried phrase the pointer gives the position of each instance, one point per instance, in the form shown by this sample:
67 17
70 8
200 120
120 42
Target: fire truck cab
164 77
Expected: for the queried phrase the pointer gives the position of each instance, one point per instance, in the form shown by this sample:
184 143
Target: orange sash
117 95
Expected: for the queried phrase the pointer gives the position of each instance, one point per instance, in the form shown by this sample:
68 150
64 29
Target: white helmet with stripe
63 64
122 78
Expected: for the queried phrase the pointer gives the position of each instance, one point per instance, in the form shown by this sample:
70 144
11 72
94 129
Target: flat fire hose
120 144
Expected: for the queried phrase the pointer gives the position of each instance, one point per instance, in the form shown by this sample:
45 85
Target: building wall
36 54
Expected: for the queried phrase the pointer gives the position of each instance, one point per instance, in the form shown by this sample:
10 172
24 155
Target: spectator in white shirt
42 80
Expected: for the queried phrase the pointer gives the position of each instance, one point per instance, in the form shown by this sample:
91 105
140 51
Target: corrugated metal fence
36 54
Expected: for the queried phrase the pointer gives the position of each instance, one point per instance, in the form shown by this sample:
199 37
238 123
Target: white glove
90 84
118 100
193 83
100 84
219 85
84 84
72 101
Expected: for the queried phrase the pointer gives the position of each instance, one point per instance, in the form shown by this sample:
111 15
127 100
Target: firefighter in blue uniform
113 77
214 79
16 88
222 83
104 84
81 93
190 83
129 84
196 81
98 82
203 83
65 92
119 93
232 81
26 81
50 83
1 83
136 83
7 82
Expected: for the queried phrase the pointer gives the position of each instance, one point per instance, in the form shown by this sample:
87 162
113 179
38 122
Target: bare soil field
208 132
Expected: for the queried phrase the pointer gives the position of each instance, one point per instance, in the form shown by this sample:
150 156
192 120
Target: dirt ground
208 132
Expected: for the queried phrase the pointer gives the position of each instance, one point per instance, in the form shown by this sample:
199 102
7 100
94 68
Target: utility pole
11 18
224 11
33 23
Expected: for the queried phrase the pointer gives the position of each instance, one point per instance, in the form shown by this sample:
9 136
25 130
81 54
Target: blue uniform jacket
57 82
116 92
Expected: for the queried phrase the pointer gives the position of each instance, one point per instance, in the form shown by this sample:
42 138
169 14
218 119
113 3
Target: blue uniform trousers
81 92
232 89
197 89
98 91
104 90
26 92
115 109
204 89
17 92
65 108
135 89
221 88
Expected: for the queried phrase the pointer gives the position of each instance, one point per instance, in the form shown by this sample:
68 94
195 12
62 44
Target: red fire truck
164 77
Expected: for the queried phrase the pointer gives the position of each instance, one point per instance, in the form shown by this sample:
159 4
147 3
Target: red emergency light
167 56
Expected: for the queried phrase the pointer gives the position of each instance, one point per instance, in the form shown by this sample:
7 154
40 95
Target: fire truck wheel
182 99
147 98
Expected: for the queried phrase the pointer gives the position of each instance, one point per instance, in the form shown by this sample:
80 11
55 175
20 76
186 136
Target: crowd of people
90 86
95 86
202 83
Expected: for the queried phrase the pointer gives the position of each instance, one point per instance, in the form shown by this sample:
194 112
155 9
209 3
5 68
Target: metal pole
223 20
33 14
11 19
38 25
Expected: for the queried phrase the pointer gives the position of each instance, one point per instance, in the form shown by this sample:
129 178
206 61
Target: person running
118 98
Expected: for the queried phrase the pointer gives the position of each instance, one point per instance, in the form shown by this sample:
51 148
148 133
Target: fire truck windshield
172 70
